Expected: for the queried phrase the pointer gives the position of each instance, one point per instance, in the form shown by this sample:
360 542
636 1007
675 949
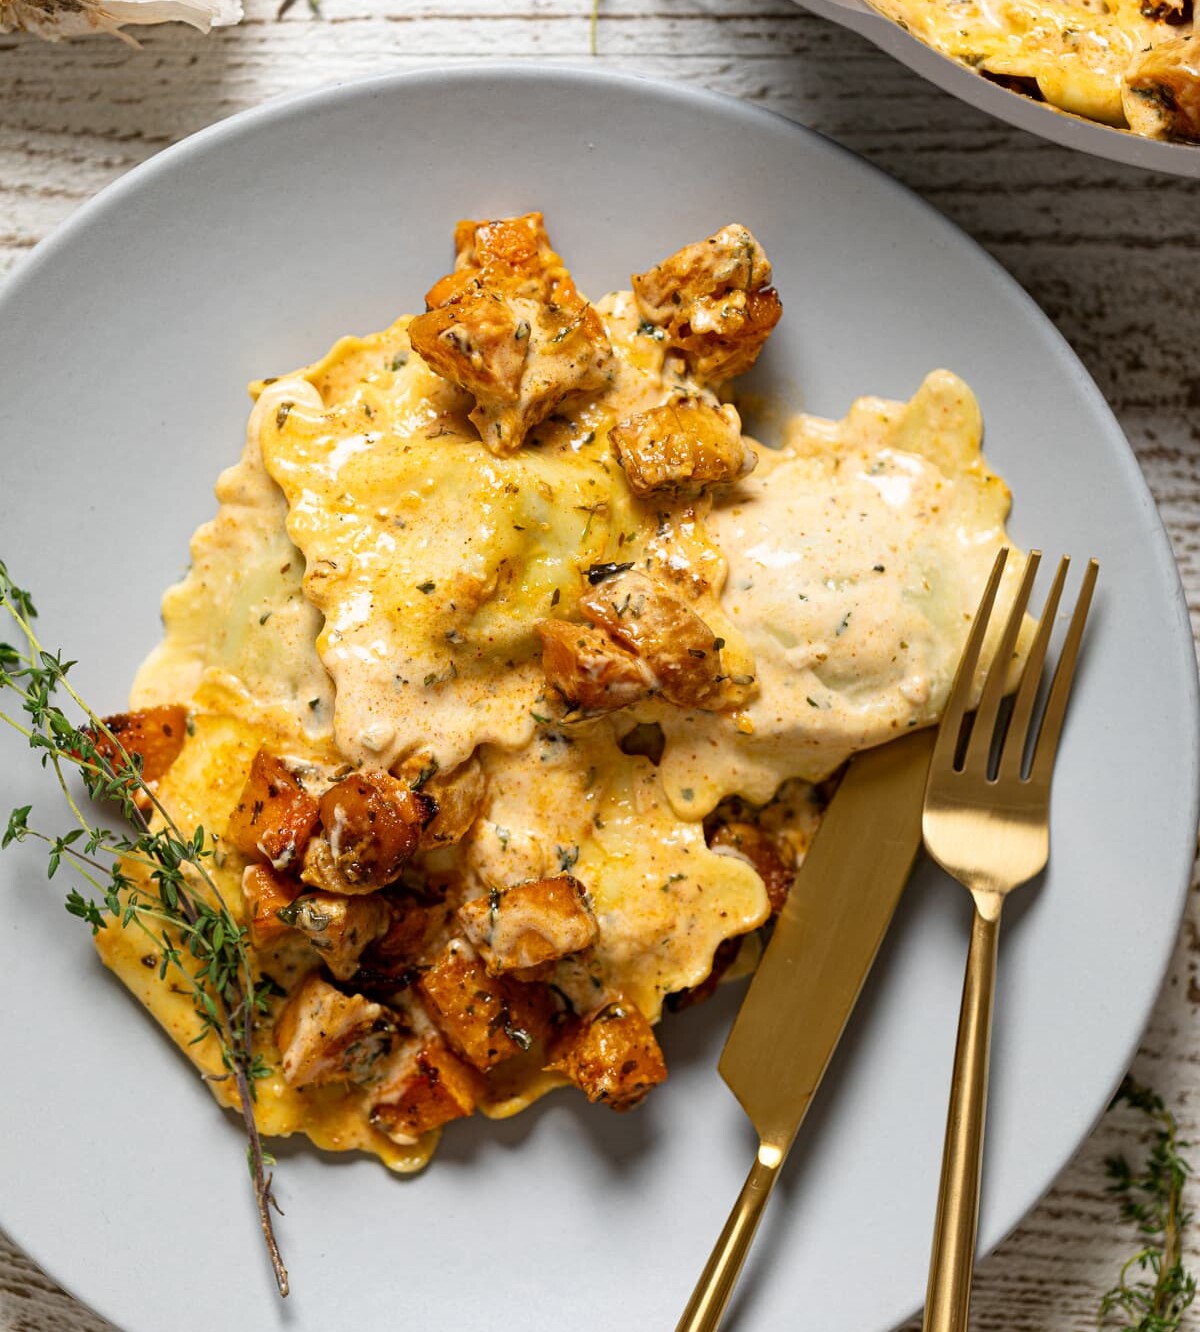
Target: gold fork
986 822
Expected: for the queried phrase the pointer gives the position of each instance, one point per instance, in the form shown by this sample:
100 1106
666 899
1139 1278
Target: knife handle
707 1306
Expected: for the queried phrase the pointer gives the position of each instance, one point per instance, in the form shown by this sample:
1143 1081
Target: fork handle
707 1306
952 1262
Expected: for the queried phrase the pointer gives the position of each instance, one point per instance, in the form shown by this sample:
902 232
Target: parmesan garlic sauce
367 594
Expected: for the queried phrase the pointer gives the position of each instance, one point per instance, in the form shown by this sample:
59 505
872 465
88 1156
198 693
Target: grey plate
1088 136
125 342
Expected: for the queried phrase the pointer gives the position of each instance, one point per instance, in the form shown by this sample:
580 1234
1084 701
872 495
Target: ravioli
239 621
664 901
431 559
201 789
856 556
443 686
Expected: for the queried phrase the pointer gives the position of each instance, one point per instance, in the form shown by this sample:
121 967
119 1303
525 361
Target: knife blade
827 936
809 979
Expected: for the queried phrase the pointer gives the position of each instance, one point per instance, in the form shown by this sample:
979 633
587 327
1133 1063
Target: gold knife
809 979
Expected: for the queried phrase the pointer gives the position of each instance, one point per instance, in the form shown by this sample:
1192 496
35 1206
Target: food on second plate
1134 64
508 675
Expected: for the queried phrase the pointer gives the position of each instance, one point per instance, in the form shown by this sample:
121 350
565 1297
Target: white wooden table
1111 254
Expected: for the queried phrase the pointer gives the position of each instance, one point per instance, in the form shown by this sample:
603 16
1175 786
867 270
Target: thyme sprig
1151 1198
149 876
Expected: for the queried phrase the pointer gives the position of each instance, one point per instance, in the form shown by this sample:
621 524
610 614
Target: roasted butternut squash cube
324 1035
337 927
275 816
151 736
611 1055
511 254
509 326
459 795
435 1088
655 623
529 924
485 1018
682 447
417 933
372 825
519 359
714 302
515 252
479 342
265 893
590 670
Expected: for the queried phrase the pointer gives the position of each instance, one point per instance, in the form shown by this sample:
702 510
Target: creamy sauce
431 560
856 557
572 800
369 588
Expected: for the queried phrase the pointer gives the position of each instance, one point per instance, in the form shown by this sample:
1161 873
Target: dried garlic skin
56 20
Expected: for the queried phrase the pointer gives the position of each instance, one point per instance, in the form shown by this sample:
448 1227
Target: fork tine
984 725
1018 724
1064 673
960 692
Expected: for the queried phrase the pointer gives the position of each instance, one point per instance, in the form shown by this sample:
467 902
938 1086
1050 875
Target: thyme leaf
1151 1197
149 875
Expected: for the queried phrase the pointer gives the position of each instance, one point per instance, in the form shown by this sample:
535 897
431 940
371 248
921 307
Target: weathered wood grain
1111 254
